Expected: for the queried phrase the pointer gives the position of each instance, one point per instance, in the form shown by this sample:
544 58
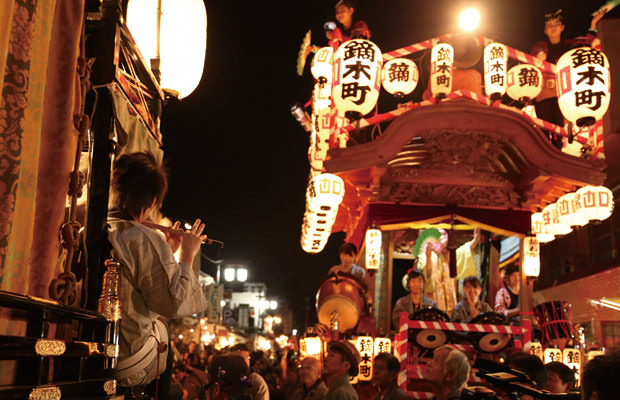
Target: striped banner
457 326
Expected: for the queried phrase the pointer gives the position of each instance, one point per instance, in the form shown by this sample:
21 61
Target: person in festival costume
415 300
348 27
434 259
471 306
154 285
507 298
550 50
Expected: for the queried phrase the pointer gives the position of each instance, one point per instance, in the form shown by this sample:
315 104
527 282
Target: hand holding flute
188 241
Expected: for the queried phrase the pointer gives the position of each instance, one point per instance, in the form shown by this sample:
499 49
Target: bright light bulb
469 19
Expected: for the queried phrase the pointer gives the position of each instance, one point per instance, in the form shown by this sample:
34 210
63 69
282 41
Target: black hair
511 269
414 273
393 365
348 248
473 281
599 375
346 3
240 347
137 180
530 365
232 374
562 370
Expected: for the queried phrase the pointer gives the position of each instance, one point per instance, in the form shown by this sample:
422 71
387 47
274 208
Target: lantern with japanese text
319 139
551 221
442 59
495 66
178 41
524 83
531 257
356 77
552 354
321 96
325 192
597 202
539 229
572 358
321 67
583 89
382 345
365 347
354 379
310 346
373 249
536 349
399 76
568 205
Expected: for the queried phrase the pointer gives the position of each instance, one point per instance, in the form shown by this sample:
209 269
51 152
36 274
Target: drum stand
333 325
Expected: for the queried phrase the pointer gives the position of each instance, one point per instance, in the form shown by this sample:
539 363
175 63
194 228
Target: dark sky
239 159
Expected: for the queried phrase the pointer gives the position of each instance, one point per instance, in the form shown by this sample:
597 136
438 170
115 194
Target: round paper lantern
524 82
321 67
538 228
597 203
582 78
442 59
400 76
567 210
551 221
356 77
495 65
183 39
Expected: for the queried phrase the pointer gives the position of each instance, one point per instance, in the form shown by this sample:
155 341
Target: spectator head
139 184
243 350
449 369
561 378
309 371
598 379
385 371
229 377
342 358
530 365
415 280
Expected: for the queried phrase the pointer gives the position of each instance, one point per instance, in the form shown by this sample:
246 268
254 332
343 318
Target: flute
168 229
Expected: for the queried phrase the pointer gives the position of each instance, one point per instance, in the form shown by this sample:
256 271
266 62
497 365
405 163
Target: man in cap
340 363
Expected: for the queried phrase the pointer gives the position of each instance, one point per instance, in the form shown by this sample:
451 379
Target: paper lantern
536 349
373 249
321 96
319 139
442 59
310 346
551 221
572 358
356 77
597 203
531 256
582 78
325 192
382 345
495 66
364 345
400 76
321 67
183 39
538 228
552 354
524 82
568 205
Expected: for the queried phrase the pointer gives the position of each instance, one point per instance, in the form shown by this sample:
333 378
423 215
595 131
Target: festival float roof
482 164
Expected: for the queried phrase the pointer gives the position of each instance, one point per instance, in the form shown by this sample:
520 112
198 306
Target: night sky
239 159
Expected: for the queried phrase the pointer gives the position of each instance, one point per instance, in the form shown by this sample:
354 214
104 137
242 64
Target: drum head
490 342
429 338
340 300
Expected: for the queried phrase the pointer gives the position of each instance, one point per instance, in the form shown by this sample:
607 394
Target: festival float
470 155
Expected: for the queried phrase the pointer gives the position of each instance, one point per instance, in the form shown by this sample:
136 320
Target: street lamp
242 274
229 274
273 305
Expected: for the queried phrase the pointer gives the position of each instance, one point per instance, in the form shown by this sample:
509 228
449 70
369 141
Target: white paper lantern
531 256
551 221
524 82
538 228
568 206
552 354
572 358
310 346
495 66
325 192
442 59
400 76
597 202
321 67
319 139
536 350
365 347
373 249
583 86
321 96
356 77
183 39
